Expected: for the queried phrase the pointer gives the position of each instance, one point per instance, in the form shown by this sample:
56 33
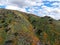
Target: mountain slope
20 28
47 29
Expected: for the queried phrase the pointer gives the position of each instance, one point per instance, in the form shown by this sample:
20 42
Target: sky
38 7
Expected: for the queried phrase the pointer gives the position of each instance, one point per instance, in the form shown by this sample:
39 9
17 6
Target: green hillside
20 28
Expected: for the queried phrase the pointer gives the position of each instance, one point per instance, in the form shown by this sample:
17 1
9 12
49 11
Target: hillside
20 28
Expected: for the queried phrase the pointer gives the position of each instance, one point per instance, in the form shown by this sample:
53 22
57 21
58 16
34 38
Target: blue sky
39 7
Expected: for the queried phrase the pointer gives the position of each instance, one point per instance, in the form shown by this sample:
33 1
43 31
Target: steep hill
20 28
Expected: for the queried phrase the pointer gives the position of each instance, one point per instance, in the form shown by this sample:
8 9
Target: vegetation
20 28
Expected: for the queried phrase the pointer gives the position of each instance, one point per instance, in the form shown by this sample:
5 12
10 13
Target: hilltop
20 28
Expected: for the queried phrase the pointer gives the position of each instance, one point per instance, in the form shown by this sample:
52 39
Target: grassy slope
47 29
27 29
13 23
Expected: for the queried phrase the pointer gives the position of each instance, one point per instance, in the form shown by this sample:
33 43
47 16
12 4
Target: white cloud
53 12
15 8
46 11
51 0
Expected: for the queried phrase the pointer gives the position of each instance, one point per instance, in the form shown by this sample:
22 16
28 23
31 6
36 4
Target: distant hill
20 28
